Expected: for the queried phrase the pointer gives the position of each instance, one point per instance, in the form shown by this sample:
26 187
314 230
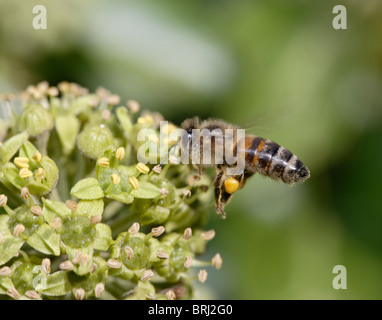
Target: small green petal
82 104
80 267
123 273
67 127
10 147
37 188
11 173
45 240
89 208
53 209
5 284
9 247
154 214
141 291
125 121
88 189
146 190
56 284
28 150
103 238
123 197
50 180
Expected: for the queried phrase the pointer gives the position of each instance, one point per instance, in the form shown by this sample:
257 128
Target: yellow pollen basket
231 185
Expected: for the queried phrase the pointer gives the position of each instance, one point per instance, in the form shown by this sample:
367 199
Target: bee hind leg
222 197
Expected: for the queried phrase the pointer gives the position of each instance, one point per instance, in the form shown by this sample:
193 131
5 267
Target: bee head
190 124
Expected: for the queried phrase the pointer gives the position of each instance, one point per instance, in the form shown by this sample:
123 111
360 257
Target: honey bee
260 155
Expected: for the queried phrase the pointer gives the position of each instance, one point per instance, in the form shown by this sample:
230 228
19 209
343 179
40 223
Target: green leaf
103 237
128 171
53 209
123 197
56 284
11 173
89 208
87 189
45 240
146 190
67 127
10 147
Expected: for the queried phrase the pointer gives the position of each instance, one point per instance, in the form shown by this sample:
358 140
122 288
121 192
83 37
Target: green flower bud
179 255
23 215
141 257
93 140
78 232
35 120
23 276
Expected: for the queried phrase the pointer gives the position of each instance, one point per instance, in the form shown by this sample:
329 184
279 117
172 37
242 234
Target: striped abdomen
270 159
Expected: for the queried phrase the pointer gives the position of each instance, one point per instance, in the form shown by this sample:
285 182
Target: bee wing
266 121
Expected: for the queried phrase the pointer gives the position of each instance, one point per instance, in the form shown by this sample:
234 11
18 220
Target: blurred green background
278 67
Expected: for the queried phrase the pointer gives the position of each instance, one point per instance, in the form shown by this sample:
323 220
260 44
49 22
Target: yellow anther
115 178
134 182
22 162
103 162
40 173
120 153
142 168
25 173
37 157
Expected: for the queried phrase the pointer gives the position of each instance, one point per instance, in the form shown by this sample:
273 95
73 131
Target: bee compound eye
231 185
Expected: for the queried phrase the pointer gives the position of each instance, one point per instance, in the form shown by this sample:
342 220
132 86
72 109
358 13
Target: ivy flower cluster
79 217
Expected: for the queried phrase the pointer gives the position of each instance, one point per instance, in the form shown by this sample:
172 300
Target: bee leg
198 168
221 196
243 178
